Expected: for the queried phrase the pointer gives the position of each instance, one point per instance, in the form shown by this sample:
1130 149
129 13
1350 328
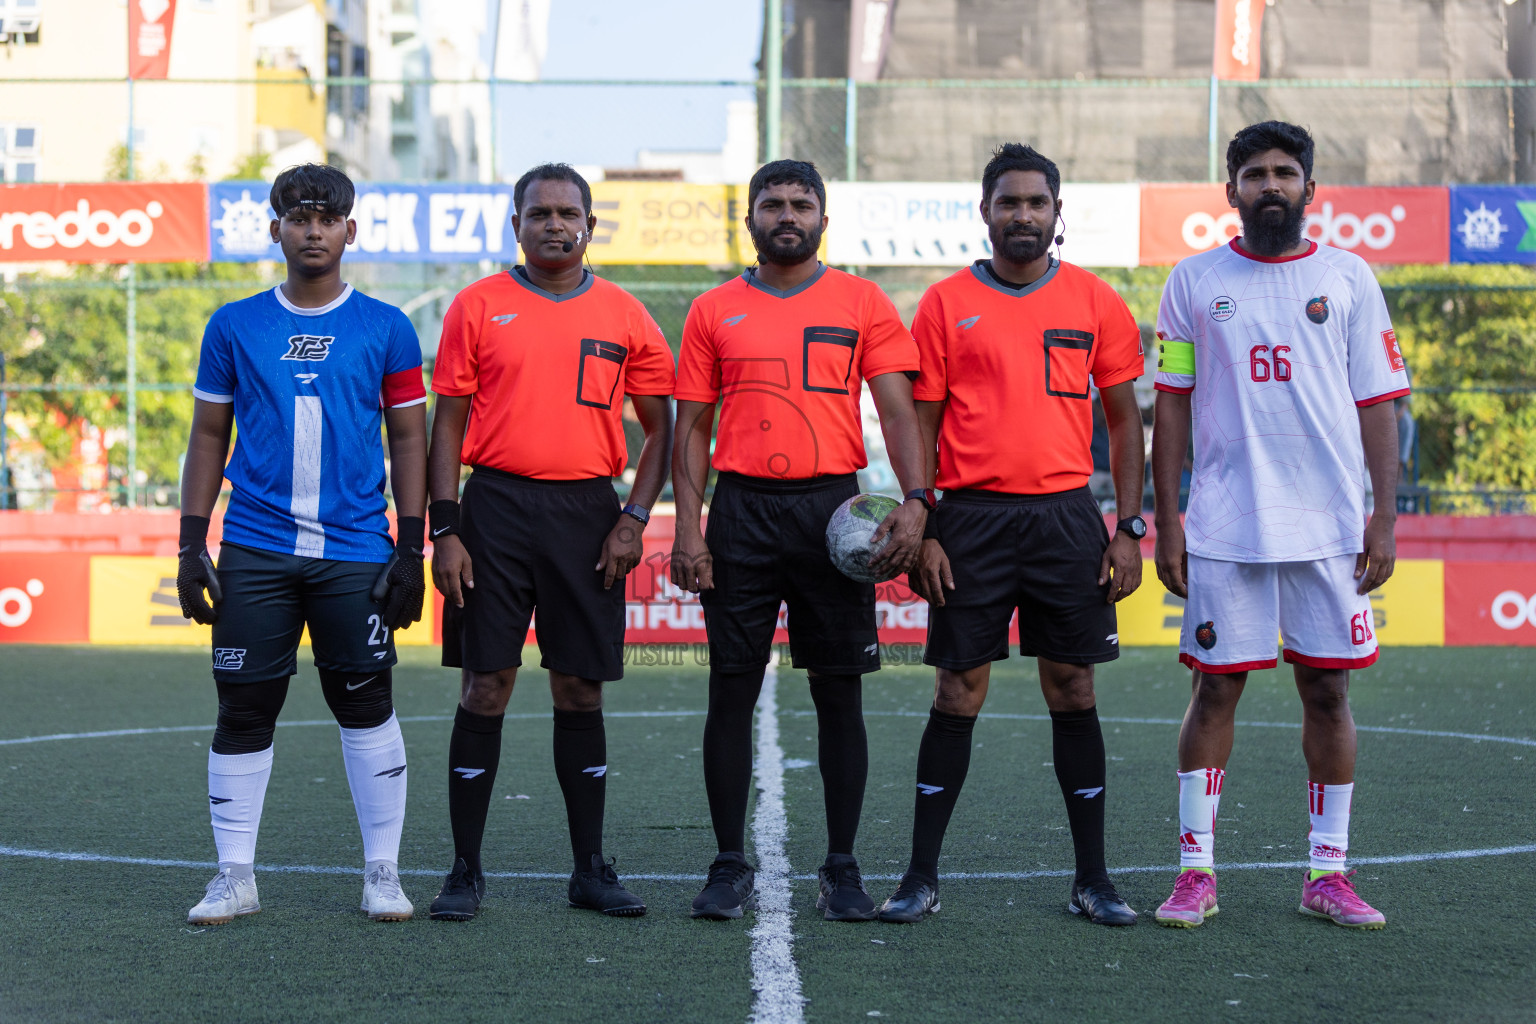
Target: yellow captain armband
1176 357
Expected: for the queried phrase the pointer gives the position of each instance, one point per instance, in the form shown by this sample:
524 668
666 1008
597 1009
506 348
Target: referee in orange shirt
783 350
1012 348
531 374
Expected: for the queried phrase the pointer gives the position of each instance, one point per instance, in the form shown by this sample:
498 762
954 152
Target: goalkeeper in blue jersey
307 370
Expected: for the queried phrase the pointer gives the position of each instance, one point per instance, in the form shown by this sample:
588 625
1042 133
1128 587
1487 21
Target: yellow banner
1409 609
669 222
133 601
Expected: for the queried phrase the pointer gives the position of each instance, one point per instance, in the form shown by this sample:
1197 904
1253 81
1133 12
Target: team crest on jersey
1222 307
1317 309
1205 635
309 347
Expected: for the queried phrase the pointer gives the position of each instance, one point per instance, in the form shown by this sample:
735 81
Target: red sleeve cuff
403 388
1363 402
684 395
1119 379
1171 389
453 392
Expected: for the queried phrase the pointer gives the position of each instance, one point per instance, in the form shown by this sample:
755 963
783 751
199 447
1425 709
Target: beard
1018 245
773 250
1270 233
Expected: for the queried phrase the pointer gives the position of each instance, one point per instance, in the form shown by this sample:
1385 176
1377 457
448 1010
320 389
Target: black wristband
931 527
410 534
194 533
445 518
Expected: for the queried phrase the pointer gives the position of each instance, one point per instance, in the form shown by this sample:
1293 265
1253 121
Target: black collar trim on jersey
983 272
334 304
520 275
750 276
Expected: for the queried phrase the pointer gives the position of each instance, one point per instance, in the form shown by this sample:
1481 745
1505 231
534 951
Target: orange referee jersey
549 374
788 367
1016 368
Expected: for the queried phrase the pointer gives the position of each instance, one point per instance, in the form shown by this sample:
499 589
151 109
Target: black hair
552 172
788 172
318 186
1291 139
1015 156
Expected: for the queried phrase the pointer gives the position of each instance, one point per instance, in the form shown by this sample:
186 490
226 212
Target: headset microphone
568 246
1063 236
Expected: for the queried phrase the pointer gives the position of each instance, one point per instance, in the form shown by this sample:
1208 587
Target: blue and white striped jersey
308 386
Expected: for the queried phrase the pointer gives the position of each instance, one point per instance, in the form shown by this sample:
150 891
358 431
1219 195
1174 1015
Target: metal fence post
1210 144
851 131
132 331
774 35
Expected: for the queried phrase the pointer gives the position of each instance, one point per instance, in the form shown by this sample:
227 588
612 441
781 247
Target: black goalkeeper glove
194 571
403 583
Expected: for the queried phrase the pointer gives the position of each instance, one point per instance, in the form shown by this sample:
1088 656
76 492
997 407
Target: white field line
107 733
951 876
775 978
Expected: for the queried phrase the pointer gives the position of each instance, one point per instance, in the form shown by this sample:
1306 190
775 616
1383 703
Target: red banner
45 599
143 222
149 37
1381 225
1237 40
1490 603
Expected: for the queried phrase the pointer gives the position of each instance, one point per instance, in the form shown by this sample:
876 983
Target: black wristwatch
927 495
1135 526
639 512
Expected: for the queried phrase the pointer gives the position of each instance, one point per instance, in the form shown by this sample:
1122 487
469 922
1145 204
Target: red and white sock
1328 840
1199 795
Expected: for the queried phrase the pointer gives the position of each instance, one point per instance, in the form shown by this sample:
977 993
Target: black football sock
474 750
728 753
842 751
943 758
1077 746
581 765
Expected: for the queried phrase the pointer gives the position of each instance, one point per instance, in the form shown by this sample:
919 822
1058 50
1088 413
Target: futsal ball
849 531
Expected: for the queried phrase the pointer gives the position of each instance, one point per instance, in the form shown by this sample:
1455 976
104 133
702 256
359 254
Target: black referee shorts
533 544
768 542
270 596
1039 553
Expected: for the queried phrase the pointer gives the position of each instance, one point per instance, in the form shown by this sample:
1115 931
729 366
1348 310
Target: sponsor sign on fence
939 224
145 222
43 598
1493 224
1490 603
1380 225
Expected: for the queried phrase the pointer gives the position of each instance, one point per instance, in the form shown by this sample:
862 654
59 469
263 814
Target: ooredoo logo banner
143 222
43 598
1490 603
1381 225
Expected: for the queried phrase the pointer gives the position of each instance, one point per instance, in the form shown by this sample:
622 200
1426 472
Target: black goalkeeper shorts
533 545
1038 553
768 542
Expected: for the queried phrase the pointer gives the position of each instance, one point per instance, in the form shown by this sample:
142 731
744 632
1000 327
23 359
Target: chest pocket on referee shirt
1066 362
828 353
597 379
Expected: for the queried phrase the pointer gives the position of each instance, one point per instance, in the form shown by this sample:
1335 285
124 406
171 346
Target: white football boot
382 898
226 898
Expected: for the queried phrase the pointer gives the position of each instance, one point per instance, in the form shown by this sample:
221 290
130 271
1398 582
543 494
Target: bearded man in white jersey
1281 354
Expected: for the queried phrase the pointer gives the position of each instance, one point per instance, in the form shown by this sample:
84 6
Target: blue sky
625 39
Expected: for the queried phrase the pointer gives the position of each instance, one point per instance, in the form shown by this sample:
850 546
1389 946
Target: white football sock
375 760
1199 796
1328 807
237 786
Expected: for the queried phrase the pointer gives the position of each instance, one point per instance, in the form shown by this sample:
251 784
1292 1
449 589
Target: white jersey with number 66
1276 354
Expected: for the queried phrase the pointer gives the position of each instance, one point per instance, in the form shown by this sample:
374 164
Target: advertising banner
1493 224
149 37
1237 40
938 224
1490 603
43 598
669 222
395 223
145 222
1381 225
